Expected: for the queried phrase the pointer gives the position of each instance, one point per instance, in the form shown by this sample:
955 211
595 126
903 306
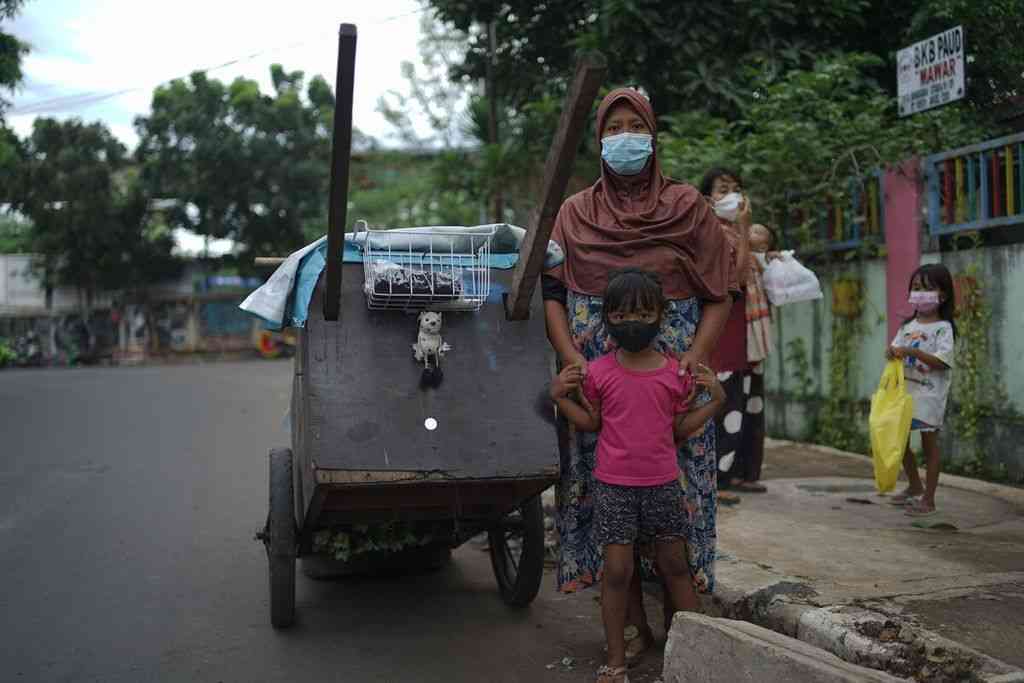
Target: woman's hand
707 379
576 359
744 218
689 362
567 381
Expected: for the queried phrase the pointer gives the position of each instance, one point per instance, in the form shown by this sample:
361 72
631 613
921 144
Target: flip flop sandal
612 674
903 498
728 499
918 509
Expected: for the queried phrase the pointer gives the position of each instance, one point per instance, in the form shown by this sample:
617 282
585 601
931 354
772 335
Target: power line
83 100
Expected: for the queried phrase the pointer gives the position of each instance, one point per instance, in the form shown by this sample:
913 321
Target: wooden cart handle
590 71
341 150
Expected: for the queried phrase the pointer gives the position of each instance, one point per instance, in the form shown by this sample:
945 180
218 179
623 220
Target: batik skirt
580 558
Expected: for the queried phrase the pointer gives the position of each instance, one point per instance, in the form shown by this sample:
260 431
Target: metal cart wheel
517 553
280 538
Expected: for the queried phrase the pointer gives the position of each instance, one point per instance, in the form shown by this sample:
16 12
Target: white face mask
728 207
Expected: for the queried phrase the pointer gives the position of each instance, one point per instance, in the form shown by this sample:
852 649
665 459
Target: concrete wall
1002 276
812 322
22 292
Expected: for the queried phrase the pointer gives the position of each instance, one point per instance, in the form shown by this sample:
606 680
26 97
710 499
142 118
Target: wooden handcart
372 445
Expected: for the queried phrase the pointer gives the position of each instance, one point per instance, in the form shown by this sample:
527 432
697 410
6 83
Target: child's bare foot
612 674
902 498
920 508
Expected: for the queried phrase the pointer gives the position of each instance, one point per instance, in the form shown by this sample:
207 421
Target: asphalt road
128 502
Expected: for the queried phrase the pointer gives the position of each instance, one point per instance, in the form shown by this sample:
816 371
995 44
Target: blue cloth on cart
283 300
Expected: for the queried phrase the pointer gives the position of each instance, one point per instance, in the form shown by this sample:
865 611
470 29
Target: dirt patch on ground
988 621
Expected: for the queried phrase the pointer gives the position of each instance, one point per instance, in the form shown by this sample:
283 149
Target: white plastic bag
787 281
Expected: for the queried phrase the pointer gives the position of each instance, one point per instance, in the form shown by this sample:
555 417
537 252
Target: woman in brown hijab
636 217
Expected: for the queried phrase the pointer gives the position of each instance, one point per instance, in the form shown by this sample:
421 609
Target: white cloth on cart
283 300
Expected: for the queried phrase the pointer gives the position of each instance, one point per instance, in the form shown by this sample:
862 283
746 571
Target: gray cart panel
365 409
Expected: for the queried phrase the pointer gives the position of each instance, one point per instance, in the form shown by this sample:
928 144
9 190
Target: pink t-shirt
638 408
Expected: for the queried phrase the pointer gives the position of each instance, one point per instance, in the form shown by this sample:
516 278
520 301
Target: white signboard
931 73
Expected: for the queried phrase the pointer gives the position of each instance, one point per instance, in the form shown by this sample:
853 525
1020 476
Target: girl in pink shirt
641 405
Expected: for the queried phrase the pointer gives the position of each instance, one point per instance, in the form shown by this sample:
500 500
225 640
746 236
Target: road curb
1008 494
856 635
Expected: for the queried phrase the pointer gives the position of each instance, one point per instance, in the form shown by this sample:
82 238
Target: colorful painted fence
847 223
976 187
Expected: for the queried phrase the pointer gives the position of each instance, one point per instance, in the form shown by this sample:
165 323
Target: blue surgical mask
627 153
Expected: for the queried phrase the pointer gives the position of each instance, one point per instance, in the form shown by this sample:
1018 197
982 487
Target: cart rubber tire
281 539
519 586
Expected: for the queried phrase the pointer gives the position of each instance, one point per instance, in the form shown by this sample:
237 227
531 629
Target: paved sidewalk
822 557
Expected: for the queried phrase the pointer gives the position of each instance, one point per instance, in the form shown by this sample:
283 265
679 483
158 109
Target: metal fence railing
976 187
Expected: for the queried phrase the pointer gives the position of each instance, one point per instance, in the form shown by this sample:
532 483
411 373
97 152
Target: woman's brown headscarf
647 221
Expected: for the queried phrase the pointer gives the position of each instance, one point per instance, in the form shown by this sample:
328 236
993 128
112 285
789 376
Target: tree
432 95
15 235
11 52
995 69
241 164
90 219
685 55
469 168
808 134
707 56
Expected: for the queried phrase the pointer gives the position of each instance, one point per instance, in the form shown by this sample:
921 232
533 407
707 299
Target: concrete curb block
731 650
856 635
1008 494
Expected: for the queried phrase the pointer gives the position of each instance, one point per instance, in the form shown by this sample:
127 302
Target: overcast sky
104 46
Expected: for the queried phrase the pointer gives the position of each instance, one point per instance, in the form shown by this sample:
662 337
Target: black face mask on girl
634 335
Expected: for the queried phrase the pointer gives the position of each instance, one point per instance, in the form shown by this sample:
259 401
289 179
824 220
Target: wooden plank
341 151
978 225
1020 178
352 477
1010 189
972 190
590 72
986 198
973 149
483 494
961 204
948 198
371 477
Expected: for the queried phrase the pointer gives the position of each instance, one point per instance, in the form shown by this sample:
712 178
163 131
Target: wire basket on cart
441 269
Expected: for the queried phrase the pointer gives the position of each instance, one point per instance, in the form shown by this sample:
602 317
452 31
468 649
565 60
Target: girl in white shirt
925 345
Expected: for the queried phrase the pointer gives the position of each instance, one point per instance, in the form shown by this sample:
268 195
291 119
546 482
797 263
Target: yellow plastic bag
892 410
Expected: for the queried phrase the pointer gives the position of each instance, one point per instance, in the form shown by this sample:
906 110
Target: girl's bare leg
615 580
930 442
635 613
914 486
674 569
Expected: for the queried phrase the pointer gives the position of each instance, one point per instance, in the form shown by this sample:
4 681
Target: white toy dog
429 347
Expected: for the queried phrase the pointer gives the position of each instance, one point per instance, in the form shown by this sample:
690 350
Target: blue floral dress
580 558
